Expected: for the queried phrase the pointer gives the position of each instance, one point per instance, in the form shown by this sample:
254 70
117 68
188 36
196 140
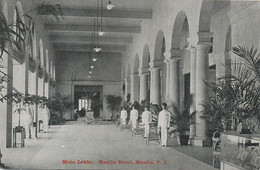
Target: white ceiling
120 24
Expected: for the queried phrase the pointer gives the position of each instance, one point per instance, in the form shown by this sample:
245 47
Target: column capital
155 63
205 38
155 68
135 74
167 55
166 61
143 71
202 47
175 52
192 48
175 55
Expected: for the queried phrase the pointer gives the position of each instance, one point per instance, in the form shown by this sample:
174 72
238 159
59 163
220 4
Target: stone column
174 89
132 88
143 87
167 79
202 71
193 87
155 90
143 74
151 85
136 87
127 86
125 95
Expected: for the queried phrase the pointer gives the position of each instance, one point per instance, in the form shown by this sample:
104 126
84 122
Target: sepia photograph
130 84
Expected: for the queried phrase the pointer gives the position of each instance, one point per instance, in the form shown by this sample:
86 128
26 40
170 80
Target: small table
18 129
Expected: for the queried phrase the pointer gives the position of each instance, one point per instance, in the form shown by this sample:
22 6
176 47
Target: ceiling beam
90 28
89 39
133 14
72 53
63 47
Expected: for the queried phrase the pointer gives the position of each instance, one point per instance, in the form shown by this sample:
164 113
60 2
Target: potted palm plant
181 119
235 99
113 105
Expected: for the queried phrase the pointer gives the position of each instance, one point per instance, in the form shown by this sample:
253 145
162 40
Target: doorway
90 97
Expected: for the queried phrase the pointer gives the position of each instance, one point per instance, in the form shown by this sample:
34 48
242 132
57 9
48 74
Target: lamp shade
97 49
110 6
101 33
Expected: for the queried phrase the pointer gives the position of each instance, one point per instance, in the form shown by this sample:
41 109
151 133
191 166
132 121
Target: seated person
82 112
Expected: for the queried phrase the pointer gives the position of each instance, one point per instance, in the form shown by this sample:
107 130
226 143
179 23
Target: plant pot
184 139
245 131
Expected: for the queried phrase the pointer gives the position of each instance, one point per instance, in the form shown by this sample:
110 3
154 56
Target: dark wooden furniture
16 130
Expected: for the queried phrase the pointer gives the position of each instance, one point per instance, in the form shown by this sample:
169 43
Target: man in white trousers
133 117
45 118
123 117
164 124
146 120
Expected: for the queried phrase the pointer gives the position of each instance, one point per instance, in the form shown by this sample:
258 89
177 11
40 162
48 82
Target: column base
203 142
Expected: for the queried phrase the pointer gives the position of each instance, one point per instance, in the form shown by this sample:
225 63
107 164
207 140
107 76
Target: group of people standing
162 126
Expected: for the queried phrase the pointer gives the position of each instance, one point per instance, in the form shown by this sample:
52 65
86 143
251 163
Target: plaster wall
73 69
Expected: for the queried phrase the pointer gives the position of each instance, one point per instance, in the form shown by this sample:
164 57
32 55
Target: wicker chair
216 147
89 117
126 126
139 130
153 136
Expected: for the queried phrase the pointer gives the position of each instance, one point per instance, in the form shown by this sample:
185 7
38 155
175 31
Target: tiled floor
73 142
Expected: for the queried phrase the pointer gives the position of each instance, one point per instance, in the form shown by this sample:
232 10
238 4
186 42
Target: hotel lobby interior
69 67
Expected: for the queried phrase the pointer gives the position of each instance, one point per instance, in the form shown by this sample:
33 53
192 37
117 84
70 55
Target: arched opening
128 83
179 44
40 77
228 50
136 79
32 56
47 64
158 70
19 65
145 77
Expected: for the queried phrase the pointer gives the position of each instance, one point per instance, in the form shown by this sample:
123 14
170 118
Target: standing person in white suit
33 128
133 117
26 119
123 116
45 118
164 124
146 120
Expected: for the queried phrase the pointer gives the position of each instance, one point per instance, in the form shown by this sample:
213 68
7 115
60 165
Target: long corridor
67 144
